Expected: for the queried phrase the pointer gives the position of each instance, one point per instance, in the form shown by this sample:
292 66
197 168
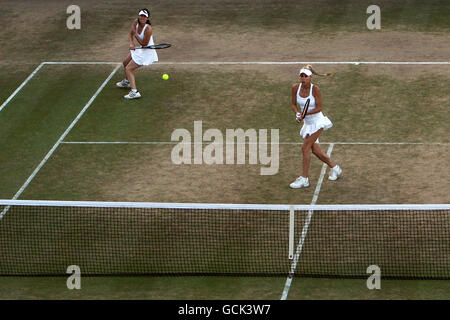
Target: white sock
134 90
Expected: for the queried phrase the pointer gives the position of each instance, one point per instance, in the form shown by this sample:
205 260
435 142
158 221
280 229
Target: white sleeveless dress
312 122
144 57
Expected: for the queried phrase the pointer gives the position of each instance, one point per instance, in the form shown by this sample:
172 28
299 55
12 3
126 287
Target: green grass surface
365 107
219 288
365 103
34 120
86 172
38 115
91 172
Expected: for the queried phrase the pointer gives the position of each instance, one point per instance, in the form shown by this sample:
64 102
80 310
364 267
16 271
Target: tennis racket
156 46
305 109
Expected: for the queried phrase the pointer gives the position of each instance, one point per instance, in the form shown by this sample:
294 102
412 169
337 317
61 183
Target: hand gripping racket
305 109
156 46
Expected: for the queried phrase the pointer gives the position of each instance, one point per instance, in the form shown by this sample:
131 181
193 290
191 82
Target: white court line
21 86
227 206
120 142
392 143
80 62
267 62
52 150
238 143
289 279
303 62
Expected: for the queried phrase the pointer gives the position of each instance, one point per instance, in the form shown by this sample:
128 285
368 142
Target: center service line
305 228
52 150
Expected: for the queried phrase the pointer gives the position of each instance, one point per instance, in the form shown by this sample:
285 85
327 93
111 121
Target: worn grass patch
229 30
389 174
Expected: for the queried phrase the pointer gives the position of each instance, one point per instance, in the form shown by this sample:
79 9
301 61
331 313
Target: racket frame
156 46
305 109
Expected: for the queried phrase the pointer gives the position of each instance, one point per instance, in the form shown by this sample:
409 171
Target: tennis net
117 238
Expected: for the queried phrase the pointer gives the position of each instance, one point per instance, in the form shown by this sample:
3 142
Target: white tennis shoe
335 172
123 84
132 95
300 182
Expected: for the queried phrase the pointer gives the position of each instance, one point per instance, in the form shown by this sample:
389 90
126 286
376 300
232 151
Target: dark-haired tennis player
141 30
313 125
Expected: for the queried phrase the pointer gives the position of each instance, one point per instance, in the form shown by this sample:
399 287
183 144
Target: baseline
264 62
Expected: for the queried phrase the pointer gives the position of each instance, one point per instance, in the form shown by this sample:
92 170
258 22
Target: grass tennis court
103 171
390 128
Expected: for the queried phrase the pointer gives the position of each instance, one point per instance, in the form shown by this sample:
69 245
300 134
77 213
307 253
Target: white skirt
144 57
313 123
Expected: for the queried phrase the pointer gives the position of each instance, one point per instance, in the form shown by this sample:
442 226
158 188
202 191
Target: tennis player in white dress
313 124
141 30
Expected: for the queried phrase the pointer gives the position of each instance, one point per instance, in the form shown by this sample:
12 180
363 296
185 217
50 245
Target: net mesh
38 239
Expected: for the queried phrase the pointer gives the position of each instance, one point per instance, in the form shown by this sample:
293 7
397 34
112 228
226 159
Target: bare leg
129 70
125 63
306 151
322 155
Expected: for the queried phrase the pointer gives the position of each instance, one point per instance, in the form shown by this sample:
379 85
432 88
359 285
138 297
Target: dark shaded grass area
38 115
219 288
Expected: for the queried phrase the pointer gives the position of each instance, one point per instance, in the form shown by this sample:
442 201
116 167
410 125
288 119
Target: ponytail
310 67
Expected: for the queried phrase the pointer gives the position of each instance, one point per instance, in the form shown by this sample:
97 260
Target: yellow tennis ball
165 76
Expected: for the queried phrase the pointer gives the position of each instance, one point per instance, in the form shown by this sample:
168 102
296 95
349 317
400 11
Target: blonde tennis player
141 31
314 123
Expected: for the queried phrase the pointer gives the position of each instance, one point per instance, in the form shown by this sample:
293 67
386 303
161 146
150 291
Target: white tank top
141 35
302 101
